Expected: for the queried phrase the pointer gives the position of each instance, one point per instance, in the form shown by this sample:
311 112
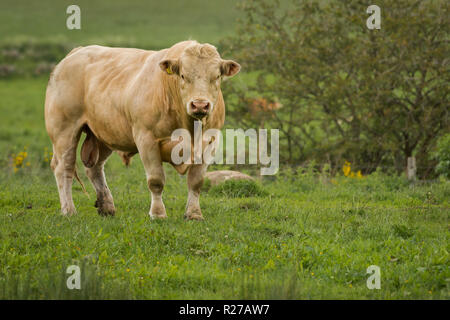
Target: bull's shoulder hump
177 49
74 50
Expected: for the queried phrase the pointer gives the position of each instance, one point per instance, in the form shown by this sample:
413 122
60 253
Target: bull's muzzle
199 108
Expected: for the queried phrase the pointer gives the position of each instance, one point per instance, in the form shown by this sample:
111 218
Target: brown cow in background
260 109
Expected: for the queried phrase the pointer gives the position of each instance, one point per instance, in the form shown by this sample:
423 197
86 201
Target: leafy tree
373 97
442 155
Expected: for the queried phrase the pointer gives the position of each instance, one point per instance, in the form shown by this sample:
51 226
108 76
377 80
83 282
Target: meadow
148 24
302 235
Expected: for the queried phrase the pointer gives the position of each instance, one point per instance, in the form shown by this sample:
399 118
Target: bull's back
95 68
93 85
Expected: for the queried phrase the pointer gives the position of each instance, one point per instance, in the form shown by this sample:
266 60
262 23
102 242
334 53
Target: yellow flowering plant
19 160
347 170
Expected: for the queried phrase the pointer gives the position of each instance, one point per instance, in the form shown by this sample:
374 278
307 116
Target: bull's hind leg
63 166
96 174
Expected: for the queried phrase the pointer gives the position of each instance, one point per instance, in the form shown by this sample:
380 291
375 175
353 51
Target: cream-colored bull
130 101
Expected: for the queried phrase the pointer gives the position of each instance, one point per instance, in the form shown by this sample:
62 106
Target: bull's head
200 71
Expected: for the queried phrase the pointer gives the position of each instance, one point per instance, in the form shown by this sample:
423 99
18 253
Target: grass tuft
238 189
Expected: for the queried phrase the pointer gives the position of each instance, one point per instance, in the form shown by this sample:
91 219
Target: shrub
442 155
373 97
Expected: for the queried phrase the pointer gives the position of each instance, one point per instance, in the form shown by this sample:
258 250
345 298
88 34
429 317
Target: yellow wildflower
346 168
19 159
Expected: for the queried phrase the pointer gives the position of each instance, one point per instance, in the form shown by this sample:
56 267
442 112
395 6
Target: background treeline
343 92
371 97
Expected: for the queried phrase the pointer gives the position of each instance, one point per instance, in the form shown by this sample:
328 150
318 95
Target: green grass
302 235
235 189
151 24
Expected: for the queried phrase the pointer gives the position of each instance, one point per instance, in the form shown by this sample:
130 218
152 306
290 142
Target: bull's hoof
161 216
106 212
194 217
158 211
195 214
68 211
104 208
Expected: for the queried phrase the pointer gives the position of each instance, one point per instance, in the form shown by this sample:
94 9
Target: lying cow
261 108
130 101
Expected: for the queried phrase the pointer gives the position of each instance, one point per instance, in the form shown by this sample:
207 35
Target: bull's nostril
200 106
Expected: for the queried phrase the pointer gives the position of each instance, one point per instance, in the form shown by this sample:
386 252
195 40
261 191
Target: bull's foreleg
151 159
195 177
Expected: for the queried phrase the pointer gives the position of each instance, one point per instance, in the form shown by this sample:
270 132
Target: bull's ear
170 66
229 68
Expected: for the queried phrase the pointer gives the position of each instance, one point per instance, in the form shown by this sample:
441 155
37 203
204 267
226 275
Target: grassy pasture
149 24
307 236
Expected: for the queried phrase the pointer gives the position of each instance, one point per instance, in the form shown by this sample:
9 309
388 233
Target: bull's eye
182 76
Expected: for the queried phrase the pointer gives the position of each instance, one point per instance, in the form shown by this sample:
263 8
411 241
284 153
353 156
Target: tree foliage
372 97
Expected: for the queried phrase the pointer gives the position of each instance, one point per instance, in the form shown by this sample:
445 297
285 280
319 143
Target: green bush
344 95
442 155
30 58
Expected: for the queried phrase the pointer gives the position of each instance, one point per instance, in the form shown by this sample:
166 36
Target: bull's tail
81 183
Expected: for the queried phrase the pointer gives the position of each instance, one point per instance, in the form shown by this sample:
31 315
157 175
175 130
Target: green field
310 236
149 24
307 235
